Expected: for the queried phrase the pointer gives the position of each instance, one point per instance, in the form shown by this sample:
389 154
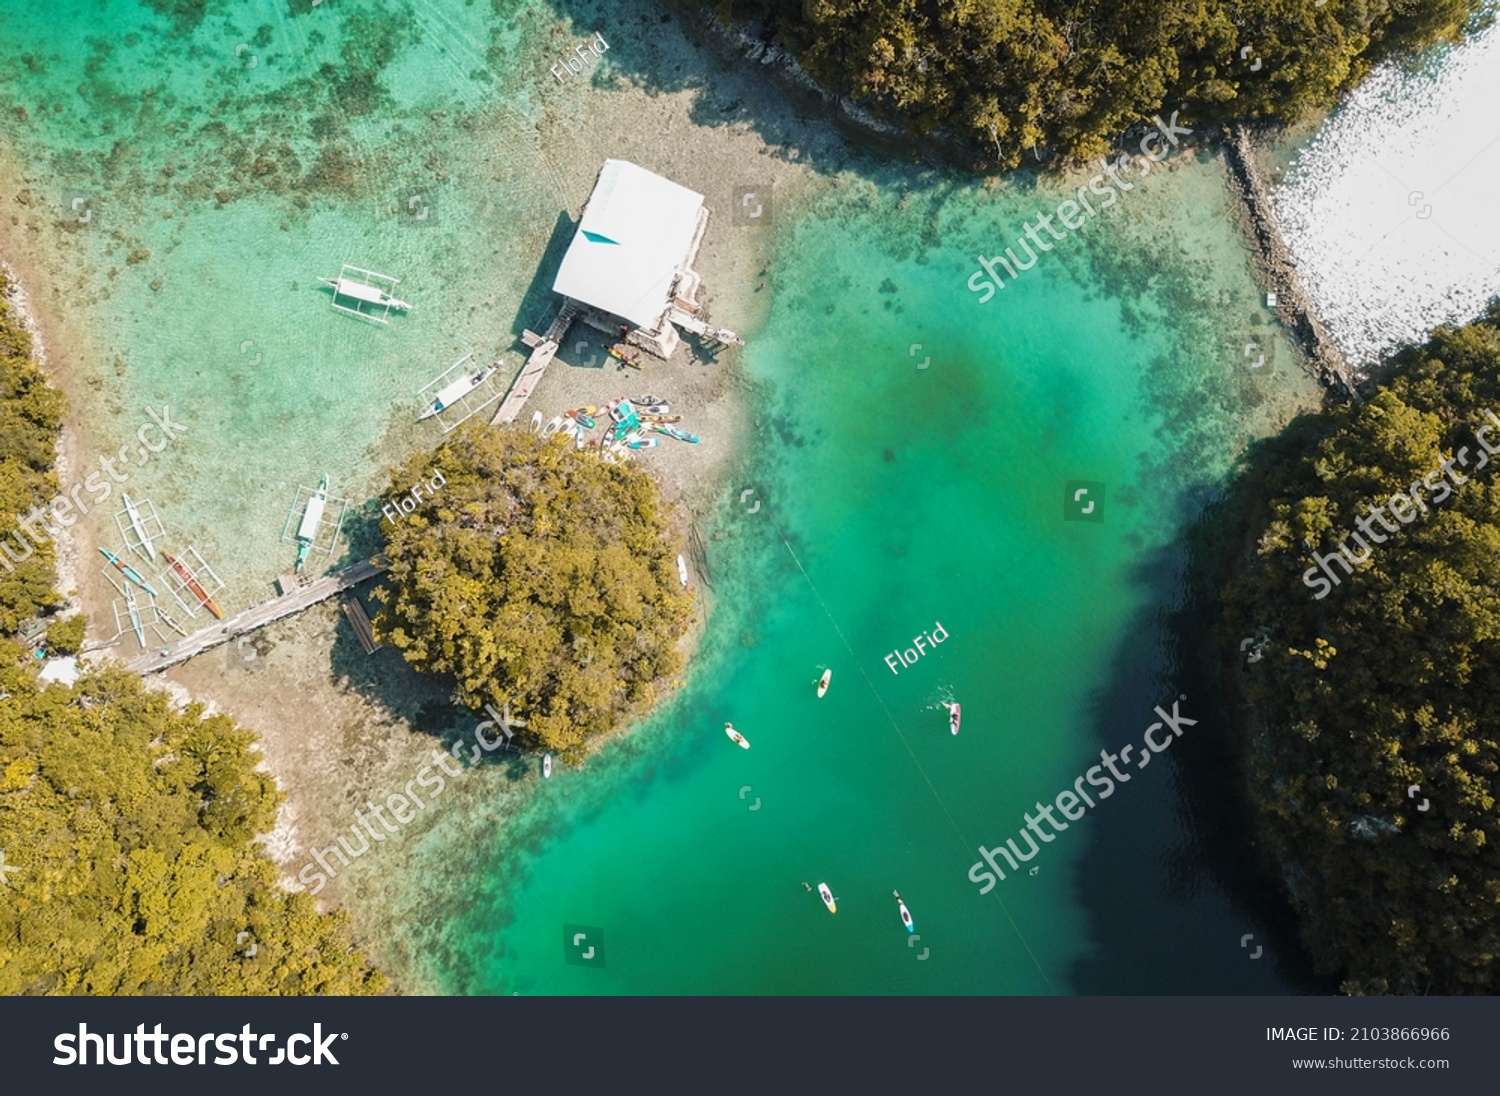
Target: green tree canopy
131 828
1068 78
1389 681
538 577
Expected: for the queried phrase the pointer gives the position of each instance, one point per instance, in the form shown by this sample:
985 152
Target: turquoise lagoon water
891 497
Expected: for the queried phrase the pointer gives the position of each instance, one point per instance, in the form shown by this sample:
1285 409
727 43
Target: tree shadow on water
1176 888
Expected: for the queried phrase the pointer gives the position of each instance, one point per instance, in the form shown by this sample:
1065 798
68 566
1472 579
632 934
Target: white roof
64 671
631 243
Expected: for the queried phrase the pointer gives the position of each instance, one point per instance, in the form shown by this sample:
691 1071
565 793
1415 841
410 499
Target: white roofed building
631 261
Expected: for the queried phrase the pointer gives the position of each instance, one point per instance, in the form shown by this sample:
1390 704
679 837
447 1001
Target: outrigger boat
905 913
735 736
135 614
363 291
129 572
457 390
307 532
823 683
137 524
828 899
192 584
955 715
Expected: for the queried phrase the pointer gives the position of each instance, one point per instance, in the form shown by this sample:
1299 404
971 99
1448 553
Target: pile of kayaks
623 424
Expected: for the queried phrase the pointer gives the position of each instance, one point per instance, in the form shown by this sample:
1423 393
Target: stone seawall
1277 269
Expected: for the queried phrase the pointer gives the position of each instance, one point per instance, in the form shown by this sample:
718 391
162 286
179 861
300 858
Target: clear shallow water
892 497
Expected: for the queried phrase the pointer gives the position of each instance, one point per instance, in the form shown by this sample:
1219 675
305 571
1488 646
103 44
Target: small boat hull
955 716
192 584
828 899
823 683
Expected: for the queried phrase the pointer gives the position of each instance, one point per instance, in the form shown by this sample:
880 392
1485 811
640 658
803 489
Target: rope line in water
958 832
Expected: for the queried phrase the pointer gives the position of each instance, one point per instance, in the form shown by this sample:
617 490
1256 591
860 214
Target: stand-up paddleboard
828 899
823 682
955 715
905 913
682 572
546 766
735 736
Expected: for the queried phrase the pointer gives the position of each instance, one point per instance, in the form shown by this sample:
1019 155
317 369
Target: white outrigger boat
823 683
828 899
307 532
133 515
456 391
734 736
955 714
353 288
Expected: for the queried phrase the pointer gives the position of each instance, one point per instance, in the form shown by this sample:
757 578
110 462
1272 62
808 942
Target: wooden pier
359 620
249 620
543 350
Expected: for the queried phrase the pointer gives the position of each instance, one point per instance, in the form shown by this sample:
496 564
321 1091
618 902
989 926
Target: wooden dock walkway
543 349
258 616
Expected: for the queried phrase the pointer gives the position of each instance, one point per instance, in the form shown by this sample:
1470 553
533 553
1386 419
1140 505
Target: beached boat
642 443
621 410
546 766
457 390
569 428
192 584
828 899
955 715
673 432
552 427
536 421
682 572
134 517
651 401
660 420
128 571
583 419
307 532
735 736
823 683
905 913
135 613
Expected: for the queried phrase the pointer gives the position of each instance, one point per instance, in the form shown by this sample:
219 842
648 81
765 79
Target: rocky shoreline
1274 266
